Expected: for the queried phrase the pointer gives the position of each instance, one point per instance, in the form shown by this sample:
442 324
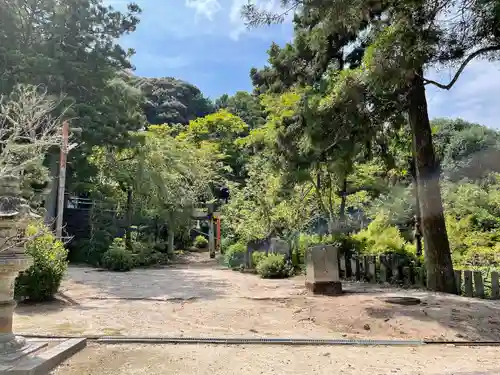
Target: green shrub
41 281
235 255
200 242
226 242
274 266
146 254
118 257
382 238
257 257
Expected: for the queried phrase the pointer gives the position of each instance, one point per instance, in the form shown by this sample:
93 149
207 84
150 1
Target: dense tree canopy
333 144
397 41
244 105
172 101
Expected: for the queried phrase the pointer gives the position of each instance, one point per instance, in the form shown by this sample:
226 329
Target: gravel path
201 299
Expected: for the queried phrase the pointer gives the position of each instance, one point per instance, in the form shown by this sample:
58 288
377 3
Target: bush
235 255
226 242
257 257
382 238
146 254
41 281
118 257
274 266
200 242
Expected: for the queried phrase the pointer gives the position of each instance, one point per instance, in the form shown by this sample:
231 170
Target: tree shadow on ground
176 283
470 319
59 303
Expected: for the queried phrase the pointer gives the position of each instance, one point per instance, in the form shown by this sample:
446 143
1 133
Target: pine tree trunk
439 267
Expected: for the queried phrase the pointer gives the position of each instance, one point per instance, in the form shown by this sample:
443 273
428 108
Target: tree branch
461 68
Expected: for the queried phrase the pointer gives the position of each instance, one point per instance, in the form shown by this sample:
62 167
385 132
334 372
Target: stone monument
322 270
13 214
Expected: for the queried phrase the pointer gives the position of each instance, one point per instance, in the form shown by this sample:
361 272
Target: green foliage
245 106
471 152
257 257
118 257
380 237
172 101
274 266
234 256
355 100
200 242
41 281
226 241
471 247
146 254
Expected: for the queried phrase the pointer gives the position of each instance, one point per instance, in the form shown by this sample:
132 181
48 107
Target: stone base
11 344
43 360
327 288
26 349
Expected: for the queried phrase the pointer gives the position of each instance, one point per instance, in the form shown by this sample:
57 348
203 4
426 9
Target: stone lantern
14 215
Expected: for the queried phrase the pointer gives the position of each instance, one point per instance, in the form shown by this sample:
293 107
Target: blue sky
205 43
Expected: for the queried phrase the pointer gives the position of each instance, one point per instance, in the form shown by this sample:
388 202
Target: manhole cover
402 300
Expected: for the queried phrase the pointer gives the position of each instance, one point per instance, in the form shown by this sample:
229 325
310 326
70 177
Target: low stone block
322 270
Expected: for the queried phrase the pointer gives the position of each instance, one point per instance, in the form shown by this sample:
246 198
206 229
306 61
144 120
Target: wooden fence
387 269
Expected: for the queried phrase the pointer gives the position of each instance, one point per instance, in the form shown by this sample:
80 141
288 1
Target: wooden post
372 268
421 281
342 266
478 284
357 271
468 283
495 286
62 179
407 276
348 267
211 237
354 262
458 281
219 247
366 273
170 241
383 270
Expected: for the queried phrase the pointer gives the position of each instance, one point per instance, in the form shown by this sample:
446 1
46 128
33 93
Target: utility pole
211 234
211 237
62 179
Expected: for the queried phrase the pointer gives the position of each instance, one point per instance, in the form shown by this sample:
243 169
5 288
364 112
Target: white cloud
238 24
206 8
474 97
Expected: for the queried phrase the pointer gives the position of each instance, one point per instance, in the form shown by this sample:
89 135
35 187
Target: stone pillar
322 270
12 260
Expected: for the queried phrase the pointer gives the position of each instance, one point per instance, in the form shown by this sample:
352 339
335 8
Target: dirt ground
201 299
256 360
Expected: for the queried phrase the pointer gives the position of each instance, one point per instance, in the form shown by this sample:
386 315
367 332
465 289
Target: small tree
30 122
